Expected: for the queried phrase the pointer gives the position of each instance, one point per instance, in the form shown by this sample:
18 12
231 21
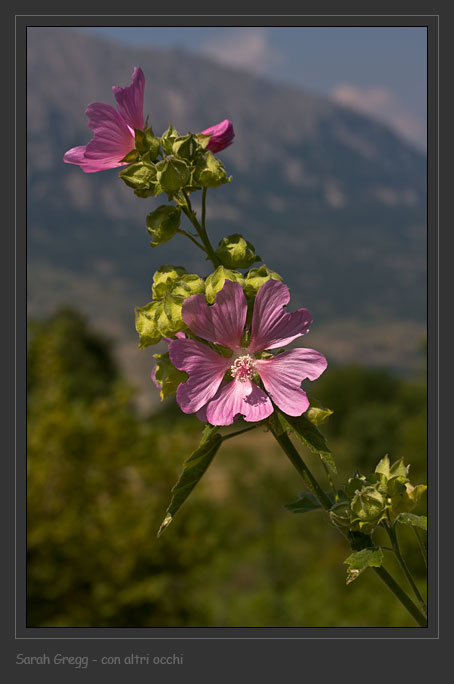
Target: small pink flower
113 131
219 402
221 136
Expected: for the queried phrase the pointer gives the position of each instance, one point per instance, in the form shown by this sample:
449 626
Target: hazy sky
377 70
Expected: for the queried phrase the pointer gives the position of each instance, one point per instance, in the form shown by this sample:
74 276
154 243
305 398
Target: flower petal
271 326
112 140
221 135
223 322
130 99
282 376
205 368
235 398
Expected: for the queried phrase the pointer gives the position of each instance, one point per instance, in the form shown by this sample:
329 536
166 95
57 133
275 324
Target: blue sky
380 71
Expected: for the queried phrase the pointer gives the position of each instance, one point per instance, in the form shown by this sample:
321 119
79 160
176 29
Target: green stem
204 199
330 480
239 432
402 596
290 451
395 544
421 543
287 446
201 230
191 237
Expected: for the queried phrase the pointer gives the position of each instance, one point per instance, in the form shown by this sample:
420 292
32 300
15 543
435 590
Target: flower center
243 368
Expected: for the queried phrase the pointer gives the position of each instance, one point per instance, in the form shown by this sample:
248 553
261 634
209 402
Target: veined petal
282 376
205 368
238 398
130 99
223 322
112 140
271 326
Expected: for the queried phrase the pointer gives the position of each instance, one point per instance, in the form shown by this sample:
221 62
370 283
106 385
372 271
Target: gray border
285 635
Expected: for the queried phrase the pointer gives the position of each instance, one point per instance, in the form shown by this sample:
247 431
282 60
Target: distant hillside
333 201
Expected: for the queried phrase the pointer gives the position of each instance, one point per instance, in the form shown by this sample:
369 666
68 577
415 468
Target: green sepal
167 375
167 139
153 145
189 284
203 139
306 503
163 223
256 277
216 280
236 252
172 174
139 176
146 324
354 484
413 520
318 415
165 278
361 560
309 435
368 509
209 171
193 470
186 146
132 156
169 317
340 514
403 495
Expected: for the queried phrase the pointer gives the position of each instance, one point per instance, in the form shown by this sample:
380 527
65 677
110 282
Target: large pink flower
219 402
113 131
221 136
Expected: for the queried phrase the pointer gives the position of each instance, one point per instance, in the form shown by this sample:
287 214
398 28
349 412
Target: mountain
332 200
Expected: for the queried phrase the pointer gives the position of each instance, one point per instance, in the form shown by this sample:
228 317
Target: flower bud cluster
383 494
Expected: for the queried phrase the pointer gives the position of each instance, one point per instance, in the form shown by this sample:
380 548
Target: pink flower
113 131
221 136
219 402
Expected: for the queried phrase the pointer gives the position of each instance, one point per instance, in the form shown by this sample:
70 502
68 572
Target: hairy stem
201 230
392 533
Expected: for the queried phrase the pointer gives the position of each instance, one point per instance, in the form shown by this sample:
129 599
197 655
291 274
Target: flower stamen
243 368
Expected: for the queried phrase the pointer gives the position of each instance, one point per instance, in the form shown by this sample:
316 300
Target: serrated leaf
361 560
414 520
307 502
309 435
193 470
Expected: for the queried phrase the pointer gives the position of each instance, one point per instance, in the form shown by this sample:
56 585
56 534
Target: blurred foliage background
99 480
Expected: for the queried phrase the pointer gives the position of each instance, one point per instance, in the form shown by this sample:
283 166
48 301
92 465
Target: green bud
186 146
163 223
368 509
340 515
172 174
318 415
189 284
256 277
236 252
152 144
169 318
139 176
354 484
165 278
167 139
403 496
216 280
209 171
167 375
146 324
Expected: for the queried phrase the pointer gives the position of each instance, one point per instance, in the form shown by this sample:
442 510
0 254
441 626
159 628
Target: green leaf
256 277
167 376
309 435
361 560
163 223
146 324
193 469
216 280
209 171
414 520
236 252
307 502
172 174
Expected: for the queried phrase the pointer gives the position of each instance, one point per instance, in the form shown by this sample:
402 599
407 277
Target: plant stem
191 237
290 451
395 544
239 432
330 480
421 543
204 198
402 596
296 460
201 230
